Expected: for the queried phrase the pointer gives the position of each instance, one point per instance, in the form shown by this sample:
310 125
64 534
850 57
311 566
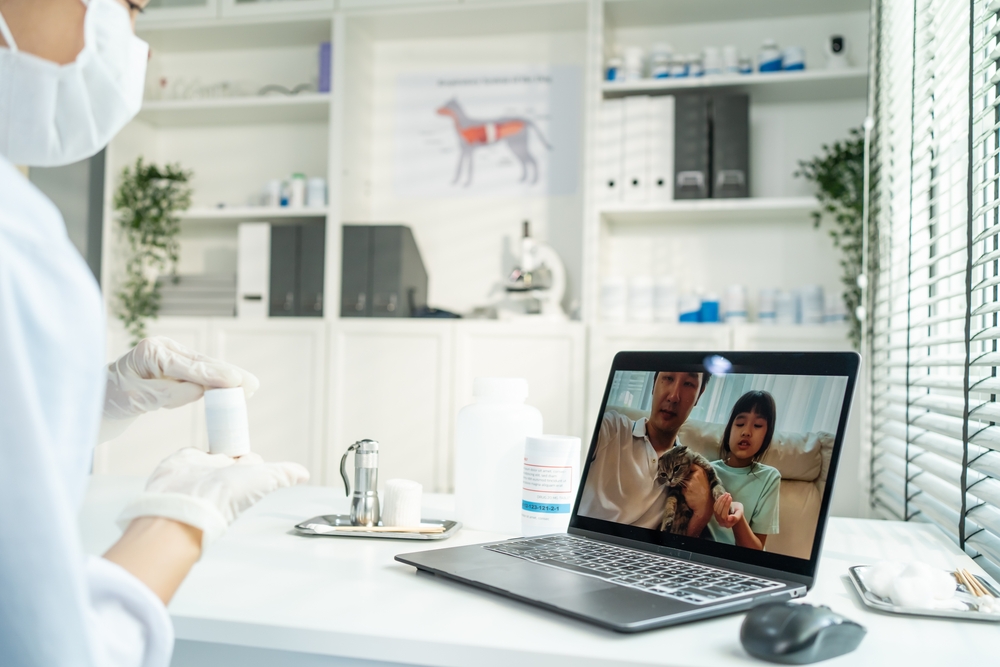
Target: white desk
262 596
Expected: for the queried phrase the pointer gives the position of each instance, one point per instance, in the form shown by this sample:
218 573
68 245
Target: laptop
649 544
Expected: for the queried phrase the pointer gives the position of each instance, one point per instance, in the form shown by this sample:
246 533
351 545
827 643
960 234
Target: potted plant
839 176
147 201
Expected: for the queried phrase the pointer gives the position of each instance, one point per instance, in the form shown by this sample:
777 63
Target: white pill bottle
489 454
551 478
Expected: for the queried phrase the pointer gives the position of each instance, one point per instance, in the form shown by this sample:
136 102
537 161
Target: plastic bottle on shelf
766 313
709 308
784 308
712 61
659 60
640 299
746 65
690 308
316 192
614 69
735 305
769 57
695 65
614 299
793 58
665 303
678 67
297 191
489 454
730 59
633 63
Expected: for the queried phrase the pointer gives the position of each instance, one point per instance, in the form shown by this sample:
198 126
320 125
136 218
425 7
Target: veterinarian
621 484
71 76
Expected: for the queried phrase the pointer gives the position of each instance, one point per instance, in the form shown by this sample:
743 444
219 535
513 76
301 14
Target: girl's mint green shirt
757 487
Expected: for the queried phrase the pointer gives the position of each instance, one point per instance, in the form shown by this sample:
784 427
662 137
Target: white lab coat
58 607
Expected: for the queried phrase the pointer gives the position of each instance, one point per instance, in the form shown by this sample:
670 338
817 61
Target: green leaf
147 201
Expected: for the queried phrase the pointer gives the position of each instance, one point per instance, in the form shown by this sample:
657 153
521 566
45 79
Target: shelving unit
421 371
749 209
818 84
301 108
242 213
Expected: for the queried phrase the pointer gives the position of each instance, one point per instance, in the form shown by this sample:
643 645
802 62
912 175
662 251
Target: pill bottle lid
500 389
299 174
224 398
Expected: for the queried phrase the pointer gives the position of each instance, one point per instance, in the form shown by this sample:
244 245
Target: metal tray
883 604
315 527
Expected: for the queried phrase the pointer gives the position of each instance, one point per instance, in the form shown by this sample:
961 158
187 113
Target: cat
674 471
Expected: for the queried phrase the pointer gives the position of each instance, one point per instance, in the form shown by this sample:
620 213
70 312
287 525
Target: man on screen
621 485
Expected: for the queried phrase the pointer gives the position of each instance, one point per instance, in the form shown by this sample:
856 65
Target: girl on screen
748 512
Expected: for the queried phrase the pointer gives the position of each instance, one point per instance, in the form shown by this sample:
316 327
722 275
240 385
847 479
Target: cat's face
674 466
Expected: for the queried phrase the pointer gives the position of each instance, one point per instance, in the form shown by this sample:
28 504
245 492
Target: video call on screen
757 443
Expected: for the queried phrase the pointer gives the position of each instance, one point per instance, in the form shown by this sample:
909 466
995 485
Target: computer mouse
798 634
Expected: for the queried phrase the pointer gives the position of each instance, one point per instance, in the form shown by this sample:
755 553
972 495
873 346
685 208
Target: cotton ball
943 585
913 592
879 577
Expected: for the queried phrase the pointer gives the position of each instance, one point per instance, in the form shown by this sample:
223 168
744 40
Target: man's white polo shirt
621 484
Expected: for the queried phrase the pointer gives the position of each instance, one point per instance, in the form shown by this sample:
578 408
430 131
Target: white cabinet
287 356
391 382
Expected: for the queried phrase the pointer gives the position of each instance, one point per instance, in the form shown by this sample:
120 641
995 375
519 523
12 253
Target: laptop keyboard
682 580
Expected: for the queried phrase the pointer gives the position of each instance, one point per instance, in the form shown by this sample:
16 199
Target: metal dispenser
364 502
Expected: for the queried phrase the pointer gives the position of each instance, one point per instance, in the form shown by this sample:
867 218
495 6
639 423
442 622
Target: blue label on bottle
770 65
544 508
794 66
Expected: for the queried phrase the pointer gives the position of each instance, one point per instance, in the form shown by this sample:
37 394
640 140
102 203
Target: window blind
934 300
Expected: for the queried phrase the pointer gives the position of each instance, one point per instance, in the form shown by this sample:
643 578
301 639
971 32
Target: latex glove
162 373
208 491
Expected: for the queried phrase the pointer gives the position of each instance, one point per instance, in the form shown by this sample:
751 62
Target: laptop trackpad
535 581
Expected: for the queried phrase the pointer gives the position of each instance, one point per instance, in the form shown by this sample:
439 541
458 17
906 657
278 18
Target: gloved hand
162 373
208 491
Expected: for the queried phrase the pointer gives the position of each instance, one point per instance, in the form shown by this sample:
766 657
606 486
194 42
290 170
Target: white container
226 421
614 299
665 302
272 196
811 303
769 57
766 312
489 454
690 308
316 193
633 63
735 304
730 59
401 506
695 65
713 61
785 308
640 299
297 191
793 58
551 474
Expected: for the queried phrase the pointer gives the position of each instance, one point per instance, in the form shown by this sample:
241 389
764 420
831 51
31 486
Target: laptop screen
733 465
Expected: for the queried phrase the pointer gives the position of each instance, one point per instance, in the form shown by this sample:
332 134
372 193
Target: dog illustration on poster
474 133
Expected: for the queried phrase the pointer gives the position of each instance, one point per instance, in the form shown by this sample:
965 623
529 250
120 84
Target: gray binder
730 146
284 270
383 273
692 147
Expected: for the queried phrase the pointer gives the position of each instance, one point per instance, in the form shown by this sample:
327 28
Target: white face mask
51 114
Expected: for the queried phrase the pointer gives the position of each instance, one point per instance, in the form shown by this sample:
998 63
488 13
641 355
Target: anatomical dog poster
512 131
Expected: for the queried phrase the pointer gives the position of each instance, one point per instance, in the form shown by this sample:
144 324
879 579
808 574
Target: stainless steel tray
883 604
315 527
